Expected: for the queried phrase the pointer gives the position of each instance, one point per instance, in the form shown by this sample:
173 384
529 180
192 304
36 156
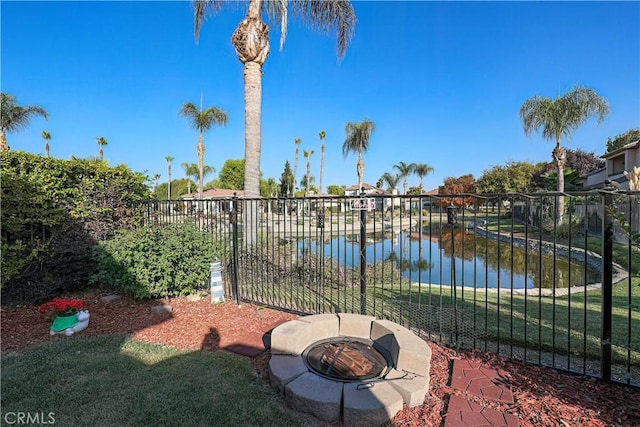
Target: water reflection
479 262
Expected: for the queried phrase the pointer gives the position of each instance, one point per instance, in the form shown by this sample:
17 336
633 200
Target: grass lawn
111 380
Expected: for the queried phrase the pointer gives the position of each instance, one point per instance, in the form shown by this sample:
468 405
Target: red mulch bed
543 397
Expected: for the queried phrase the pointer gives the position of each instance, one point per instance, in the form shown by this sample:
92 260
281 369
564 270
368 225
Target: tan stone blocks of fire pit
284 368
291 338
370 404
360 403
411 387
315 395
355 325
408 351
322 326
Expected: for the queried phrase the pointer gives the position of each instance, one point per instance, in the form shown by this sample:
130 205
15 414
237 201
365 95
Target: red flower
62 306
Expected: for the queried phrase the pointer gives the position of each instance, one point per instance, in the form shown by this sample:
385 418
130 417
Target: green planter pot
60 323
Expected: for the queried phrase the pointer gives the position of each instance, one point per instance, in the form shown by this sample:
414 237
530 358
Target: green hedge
53 213
157 262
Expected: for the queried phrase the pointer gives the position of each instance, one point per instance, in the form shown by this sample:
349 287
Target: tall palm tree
46 136
14 117
191 170
297 141
559 118
169 159
404 170
391 180
422 170
322 135
251 42
102 142
357 141
307 155
202 121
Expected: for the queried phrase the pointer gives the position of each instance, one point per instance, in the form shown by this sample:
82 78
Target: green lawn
113 381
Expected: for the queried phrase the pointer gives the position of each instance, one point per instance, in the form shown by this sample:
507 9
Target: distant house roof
364 185
621 149
215 193
433 192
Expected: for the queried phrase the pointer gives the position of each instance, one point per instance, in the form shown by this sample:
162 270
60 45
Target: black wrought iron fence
499 272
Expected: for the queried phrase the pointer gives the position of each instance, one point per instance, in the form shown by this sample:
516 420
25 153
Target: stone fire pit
350 366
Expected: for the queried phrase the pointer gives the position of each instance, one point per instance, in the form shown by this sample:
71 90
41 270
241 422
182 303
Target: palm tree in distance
357 141
559 118
102 142
307 155
46 136
169 159
404 170
391 180
202 121
190 171
14 117
297 141
422 170
156 177
322 135
251 42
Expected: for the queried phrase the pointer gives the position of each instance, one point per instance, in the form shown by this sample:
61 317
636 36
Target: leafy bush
157 262
53 212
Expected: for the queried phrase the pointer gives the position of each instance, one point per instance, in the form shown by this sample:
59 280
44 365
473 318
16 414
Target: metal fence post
607 288
363 262
233 218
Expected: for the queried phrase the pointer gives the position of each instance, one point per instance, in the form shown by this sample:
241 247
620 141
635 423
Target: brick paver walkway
487 383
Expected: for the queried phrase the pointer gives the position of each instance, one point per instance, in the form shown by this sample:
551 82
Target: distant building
616 163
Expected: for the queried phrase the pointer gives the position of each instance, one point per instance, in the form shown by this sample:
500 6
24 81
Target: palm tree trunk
252 137
560 158
360 168
321 166
200 165
3 142
295 169
101 153
46 148
169 182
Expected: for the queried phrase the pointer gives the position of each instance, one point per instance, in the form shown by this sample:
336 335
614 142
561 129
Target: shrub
157 262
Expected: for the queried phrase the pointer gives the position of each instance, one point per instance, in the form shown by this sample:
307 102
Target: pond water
478 262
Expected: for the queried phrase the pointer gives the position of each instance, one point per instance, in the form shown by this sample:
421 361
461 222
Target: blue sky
442 81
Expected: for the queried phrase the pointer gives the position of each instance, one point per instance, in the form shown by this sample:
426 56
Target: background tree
251 42
202 121
102 142
422 170
620 140
559 118
14 117
391 180
338 190
307 155
307 183
156 177
169 159
459 185
190 171
286 180
322 135
47 137
404 170
231 175
269 188
297 141
514 177
357 140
